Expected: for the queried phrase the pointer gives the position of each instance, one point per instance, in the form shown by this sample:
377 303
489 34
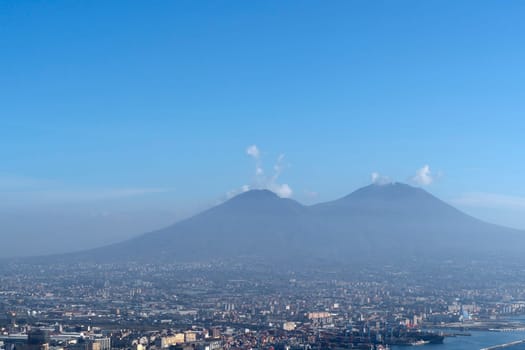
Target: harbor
479 340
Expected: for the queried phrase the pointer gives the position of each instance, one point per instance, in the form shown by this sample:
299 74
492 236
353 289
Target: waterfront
476 341
251 306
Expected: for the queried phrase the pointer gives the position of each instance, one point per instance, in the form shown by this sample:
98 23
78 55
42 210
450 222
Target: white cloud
490 200
378 179
261 179
253 151
282 190
423 176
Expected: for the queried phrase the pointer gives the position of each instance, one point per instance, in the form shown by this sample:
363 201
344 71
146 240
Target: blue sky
120 117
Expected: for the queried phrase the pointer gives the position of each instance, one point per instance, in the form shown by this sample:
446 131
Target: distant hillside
376 222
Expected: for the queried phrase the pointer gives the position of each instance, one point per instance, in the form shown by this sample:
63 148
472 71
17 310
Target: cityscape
226 305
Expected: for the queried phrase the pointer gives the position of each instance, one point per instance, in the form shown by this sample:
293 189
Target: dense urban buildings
225 305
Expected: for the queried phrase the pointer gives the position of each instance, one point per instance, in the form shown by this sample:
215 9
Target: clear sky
118 117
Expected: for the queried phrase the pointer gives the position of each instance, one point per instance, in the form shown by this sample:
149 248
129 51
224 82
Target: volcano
376 222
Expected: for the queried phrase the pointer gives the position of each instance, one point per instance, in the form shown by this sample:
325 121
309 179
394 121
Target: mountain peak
257 194
261 198
394 190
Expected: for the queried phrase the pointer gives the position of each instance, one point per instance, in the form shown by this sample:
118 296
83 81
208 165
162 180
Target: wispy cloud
263 181
253 151
96 193
10 182
423 177
22 188
233 193
282 190
378 179
490 200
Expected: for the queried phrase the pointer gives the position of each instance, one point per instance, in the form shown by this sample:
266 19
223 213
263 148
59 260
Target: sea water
476 341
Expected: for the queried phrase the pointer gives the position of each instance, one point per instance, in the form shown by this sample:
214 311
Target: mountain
393 219
255 222
375 222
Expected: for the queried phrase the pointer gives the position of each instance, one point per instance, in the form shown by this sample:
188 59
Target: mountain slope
257 223
374 222
397 219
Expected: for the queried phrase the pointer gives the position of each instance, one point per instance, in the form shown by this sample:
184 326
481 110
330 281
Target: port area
462 328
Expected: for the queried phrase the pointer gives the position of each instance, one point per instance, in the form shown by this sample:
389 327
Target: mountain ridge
375 222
